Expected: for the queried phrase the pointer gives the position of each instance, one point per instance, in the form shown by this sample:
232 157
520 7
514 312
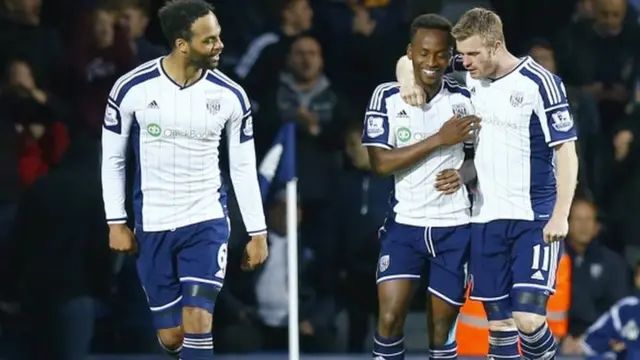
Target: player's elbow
380 167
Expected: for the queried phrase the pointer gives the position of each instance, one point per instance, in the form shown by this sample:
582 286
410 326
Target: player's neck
179 70
506 62
431 90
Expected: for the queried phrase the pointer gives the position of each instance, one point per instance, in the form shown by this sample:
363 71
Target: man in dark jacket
60 256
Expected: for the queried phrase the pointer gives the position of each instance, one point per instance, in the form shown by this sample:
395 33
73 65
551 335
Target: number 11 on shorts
535 262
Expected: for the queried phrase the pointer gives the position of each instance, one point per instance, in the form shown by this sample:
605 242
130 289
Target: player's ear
182 46
409 52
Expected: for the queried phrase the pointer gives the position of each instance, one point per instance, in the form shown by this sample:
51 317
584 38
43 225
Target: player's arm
609 327
560 133
468 170
379 136
242 167
118 119
404 72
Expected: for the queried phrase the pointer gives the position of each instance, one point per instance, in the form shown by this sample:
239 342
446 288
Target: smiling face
430 52
205 46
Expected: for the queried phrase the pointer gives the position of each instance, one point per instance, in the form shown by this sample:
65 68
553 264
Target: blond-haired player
527 167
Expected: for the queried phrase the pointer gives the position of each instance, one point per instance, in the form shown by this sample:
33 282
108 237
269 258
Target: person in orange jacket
472 332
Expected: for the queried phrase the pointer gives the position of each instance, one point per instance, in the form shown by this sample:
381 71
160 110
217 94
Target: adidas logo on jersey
153 105
402 114
537 276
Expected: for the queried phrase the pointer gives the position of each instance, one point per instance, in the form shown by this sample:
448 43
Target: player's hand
556 229
255 253
622 143
448 181
121 239
413 94
457 130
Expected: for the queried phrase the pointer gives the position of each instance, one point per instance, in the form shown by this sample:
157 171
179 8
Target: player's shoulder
139 75
229 89
384 93
625 302
539 77
452 87
387 89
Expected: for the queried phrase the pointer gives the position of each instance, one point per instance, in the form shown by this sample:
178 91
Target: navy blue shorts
406 251
511 254
194 254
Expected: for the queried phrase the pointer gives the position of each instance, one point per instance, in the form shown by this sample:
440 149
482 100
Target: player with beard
429 227
172 111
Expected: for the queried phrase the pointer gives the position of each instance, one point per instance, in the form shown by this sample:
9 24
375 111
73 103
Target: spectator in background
607 49
585 114
599 278
266 327
305 95
39 46
134 16
60 256
624 190
101 53
265 56
362 205
39 118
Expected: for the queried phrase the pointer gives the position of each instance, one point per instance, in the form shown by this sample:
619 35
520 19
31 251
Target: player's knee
502 325
390 323
171 339
528 322
196 320
442 328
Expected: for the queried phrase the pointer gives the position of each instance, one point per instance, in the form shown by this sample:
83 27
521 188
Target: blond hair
481 22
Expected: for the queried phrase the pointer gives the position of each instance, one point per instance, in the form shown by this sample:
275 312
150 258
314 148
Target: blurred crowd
315 62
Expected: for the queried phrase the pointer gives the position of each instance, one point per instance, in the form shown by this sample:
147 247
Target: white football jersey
525 114
390 123
175 132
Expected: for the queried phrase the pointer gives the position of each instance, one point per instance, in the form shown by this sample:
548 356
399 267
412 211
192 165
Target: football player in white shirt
429 229
523 200
173 111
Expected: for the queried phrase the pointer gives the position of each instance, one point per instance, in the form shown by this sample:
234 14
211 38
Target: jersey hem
177 224
427 222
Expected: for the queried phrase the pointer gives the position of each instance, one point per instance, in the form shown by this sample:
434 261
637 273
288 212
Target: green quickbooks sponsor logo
154 130
403 134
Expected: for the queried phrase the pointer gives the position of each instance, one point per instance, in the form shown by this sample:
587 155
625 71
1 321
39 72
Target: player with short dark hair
173 110
429 228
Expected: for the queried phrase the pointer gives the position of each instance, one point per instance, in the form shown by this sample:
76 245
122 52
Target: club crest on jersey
562 120
375 126
517 98
213 106
383 264
460 110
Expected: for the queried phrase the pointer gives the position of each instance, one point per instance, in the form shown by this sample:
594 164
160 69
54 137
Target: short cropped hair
481 22
431 22
177 17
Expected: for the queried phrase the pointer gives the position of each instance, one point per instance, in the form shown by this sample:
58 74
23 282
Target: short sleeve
551 106
377 128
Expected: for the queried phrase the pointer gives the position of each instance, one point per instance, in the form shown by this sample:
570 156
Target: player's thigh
447 273
489 261
158 277
400 265
202 263
534 265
